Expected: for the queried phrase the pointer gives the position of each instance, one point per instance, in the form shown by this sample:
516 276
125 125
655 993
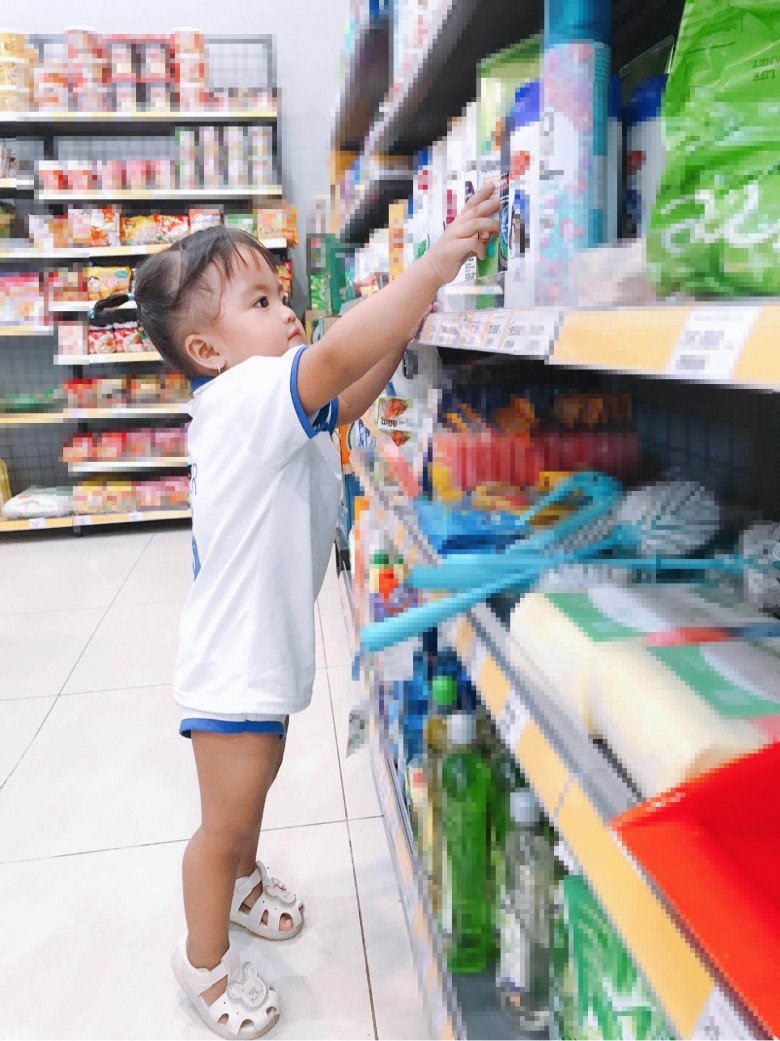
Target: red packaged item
168 441
80 449
174 387
111 390
190 41
139 443
171 227
193 97
111 174
204 217
101 340
140 230
79 226
163 173
285 272
111 445
80 393
125 97
80 176
189 69
137 174
127 337
52 176
158 97
148 495
104 226
89 497
154 60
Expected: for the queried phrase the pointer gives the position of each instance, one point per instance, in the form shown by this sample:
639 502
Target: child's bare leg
235 772
249 855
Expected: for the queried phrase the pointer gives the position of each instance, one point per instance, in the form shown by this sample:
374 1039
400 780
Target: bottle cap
444 691
462 729
568 21
380 559
524 808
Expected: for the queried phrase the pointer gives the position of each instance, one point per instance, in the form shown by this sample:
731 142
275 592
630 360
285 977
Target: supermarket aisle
98 798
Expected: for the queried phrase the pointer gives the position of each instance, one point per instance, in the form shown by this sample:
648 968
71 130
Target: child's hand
468 234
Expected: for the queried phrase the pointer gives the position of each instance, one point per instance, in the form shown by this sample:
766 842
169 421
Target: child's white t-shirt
265 490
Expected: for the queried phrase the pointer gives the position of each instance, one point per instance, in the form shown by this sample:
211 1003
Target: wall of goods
560 534
111 149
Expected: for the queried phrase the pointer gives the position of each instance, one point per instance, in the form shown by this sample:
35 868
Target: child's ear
199 350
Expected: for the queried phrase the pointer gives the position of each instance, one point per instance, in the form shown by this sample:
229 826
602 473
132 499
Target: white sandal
251 1006
275 898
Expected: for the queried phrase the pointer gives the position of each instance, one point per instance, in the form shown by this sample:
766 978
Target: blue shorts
230 724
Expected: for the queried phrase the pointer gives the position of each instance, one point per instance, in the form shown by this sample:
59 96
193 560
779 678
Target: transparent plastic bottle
525 916
443 699
468 902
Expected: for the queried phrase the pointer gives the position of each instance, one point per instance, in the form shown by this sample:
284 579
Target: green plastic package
611 998
715 228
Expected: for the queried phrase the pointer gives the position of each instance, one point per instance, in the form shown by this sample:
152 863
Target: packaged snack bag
127 337
103 281
202 217
104 226
100 340
139 443
79 226
89 497
140 230
111 445
285 273
111 390
278 222
171 227
80 449
71 339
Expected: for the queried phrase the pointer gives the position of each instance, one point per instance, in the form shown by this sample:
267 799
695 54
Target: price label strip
532 334
494 330
711 342
512 722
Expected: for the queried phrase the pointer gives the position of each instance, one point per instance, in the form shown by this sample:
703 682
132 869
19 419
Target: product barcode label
711 342
80 521
532 333
136 516
494 331
37 522
719 1019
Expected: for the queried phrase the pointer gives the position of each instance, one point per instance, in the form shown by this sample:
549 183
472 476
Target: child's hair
172 291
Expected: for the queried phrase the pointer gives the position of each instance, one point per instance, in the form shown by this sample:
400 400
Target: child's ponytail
109 303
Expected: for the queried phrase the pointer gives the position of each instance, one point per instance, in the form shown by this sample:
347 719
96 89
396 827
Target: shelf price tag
37 522
712 341
494 330
532 333
136 516
719 1019
512 722
82 520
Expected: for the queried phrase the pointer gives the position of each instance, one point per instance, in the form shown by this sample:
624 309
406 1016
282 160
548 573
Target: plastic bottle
525 917
468 904
645 154
507 777
443 701
575 95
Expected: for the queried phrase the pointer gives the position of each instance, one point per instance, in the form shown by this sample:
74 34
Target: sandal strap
274 889
245 885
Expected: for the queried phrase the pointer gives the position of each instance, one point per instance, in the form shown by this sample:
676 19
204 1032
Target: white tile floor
98 796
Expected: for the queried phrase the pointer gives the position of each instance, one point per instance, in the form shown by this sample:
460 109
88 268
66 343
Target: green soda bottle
444 692
468 903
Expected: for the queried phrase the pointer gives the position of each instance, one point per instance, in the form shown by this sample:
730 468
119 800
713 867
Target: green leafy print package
716 224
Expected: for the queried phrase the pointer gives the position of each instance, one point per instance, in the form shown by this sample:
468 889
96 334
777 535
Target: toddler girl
265 492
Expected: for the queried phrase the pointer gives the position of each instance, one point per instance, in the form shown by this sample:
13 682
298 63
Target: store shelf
444 79
127 122
121 358
126 412
130 465
83 306
17 184
728 344
26 330
436 986
25 252
366 83
369 211
582 791
152 194
347 606
17 419
94 519
138 517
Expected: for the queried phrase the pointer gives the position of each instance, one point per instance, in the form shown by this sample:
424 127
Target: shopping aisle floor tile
308 789
19 721
398 1004
65 572
359 789
334 630
163 572
38 651
134 646
107 769
88 941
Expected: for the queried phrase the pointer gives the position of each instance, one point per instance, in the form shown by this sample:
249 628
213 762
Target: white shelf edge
120 358
129 465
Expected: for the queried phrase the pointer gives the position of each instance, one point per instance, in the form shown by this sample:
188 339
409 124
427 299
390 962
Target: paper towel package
560 633
677 679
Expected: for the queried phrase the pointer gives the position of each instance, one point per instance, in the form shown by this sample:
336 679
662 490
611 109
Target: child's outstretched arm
381 326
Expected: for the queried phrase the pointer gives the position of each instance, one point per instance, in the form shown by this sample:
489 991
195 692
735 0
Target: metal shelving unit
582 791
370 208
366 84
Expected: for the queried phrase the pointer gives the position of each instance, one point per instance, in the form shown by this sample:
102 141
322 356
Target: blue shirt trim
199 382
236 726
327 416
